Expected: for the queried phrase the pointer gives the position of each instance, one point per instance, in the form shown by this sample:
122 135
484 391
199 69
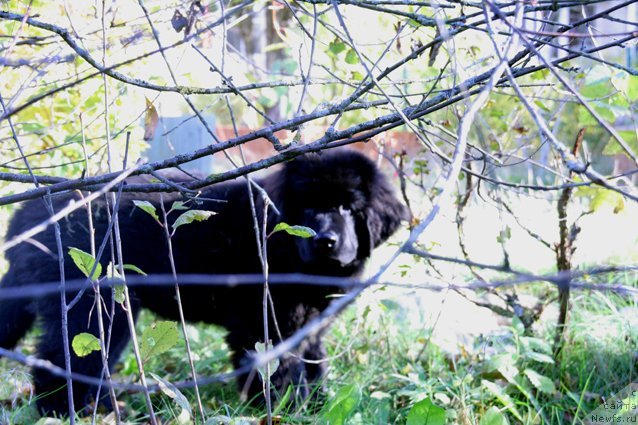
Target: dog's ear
384 211
364 235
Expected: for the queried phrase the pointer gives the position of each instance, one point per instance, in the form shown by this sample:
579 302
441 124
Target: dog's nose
326 240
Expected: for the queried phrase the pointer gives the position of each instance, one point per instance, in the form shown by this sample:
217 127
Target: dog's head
346 200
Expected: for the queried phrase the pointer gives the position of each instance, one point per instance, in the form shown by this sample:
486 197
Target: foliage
86 263
158 338
84 344
294 230
405 76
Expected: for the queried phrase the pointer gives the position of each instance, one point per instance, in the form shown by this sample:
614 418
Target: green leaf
613 147
85 262
493 417
173 392
119 294
351 57
147 207
191 216
517 324
178 205
118 290
413 23
391 305
134 268
605 111
540 75
540 357
337 411
84 344
356 75
597 74
597 82
541 382
541 105
112 273
426 413
284 401
504 363
260 347
336 46
300 231
536 344
600 197
158 338
503 397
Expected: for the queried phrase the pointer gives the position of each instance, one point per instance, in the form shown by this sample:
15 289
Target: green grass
387 365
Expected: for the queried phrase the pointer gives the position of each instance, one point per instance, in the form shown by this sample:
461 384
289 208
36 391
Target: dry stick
98 298
60 251
56 370
47 288
462 202
165 280
64 309
189 353
191 105
214 137
564 250
444 198
84 54
96 288
131 321
313 42
572 163
128 308
105 239
266 297
261 238
118 242
347 136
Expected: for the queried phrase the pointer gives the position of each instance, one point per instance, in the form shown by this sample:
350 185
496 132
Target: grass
394 365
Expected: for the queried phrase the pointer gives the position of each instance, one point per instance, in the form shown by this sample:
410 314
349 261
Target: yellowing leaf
84 344
191 216
151 118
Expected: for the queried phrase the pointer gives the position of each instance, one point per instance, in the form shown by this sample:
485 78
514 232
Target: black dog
340 194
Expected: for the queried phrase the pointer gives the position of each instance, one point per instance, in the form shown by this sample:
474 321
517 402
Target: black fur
340 194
